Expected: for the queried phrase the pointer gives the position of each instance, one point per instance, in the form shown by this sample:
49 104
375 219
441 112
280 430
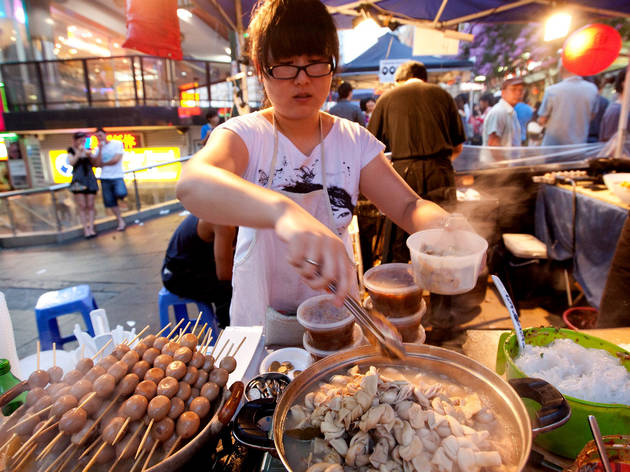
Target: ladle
601 449
378 329
520 337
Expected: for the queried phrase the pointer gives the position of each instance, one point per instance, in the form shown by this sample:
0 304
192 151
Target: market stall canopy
389 46
435 13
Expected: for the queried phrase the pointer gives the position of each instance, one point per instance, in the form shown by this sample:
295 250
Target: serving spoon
599 442
520 337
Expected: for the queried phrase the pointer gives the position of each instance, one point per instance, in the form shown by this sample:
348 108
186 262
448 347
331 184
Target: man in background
420 125
600 107
501 126
610 120
109 158
212 118
566 110
198 264
524 113
345 108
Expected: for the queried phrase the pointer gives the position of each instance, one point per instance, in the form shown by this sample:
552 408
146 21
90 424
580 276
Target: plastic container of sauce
328 327
318 354
408 327
393 290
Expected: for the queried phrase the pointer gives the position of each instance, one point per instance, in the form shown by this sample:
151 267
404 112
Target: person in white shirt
289 176
501 126
109 157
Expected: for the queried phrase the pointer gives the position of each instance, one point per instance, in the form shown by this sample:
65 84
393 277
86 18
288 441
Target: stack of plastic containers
328 328
394 293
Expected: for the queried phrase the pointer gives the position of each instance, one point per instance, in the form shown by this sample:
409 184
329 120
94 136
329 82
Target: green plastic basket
569 439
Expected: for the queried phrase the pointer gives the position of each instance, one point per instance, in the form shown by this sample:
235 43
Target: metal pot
507 404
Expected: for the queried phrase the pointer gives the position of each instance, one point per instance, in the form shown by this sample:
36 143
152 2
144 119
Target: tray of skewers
151 404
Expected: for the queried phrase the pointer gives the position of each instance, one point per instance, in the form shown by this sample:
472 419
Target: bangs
296 38
284 28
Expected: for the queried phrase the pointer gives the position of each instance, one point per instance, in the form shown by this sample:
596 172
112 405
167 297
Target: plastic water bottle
7 381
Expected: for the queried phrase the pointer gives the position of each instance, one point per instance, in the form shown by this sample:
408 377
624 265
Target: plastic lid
394 278
320 314
357 340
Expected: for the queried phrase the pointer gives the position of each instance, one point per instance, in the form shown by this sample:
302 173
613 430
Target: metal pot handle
246 429
554 409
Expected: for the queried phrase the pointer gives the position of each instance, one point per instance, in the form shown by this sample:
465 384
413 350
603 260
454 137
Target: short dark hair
363 102
211 113
79 135
277 30
488 98
513 81
619 81
344 90
99 130
411 70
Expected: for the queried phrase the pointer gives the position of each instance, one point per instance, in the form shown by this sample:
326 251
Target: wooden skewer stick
201 331
7 442
157 335
217 343
137 461
173 447
54 354
146 463
205 349
222 349
59 457
39 347
124 451
183 331
24 420
49 447
121 431
68 459
32 438
175 328
100 351
94 457
98 420
136 336
24 459
239 346
90 447
227 353
144 438
82 351
196 323
204 341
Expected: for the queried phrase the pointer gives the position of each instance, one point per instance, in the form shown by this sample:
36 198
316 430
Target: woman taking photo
290 175
84 185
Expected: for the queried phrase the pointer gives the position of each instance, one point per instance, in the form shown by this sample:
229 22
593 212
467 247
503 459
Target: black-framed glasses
289 72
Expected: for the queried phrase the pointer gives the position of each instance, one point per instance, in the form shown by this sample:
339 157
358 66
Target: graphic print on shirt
300 180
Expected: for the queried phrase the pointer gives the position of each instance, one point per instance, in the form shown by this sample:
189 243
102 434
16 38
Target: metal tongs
378 329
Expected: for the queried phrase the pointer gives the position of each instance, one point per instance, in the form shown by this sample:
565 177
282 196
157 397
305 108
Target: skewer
157 335
39 347
68 459
221 351
59 457
136 336
29 417
93 459
201 331
125 450
196 323
204 342
7 442
144 438
137 461
98 420
30 440
175 328
121 431
25 458
146 463
100 351
216 343
90 447
82 351
173 447
54 354
239 346
183 331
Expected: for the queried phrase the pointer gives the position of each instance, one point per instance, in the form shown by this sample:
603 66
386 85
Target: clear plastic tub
318 354
393 290
408 326
328 327
446 262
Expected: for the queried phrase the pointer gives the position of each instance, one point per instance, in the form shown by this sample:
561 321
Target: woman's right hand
316 253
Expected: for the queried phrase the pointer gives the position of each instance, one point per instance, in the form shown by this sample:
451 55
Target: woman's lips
302 97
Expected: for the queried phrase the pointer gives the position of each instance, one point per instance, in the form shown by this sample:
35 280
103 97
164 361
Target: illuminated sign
188 100
132 159
129 140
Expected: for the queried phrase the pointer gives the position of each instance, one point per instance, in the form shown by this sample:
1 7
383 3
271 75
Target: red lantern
153 28
591 49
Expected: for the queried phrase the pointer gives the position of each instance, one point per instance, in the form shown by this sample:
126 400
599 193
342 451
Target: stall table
598 222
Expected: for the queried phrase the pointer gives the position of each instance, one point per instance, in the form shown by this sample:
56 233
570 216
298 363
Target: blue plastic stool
166 299
52 305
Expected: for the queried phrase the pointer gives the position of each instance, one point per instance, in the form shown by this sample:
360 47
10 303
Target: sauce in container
408 326
328 327
393 290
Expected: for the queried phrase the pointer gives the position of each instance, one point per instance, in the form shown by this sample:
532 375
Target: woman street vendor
290 175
